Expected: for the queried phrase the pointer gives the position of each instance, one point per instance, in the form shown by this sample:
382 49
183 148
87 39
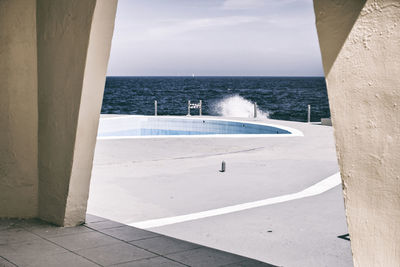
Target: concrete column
360 43
90 107
18 109
53 61
73 40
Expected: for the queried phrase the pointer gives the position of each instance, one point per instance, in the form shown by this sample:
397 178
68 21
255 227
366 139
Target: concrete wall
53 61
360 43
18 109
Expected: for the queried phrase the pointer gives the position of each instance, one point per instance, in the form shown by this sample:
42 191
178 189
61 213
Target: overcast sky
215 37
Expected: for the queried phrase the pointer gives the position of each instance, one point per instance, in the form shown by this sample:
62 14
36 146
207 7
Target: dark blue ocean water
283 98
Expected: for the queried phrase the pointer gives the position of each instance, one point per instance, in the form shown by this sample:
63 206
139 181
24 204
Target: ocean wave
237 106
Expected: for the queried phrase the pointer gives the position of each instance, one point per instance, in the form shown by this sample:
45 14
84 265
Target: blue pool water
149 126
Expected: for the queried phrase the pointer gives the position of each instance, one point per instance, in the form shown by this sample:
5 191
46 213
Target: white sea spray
237 106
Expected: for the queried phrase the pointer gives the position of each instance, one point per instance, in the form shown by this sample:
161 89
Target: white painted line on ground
316 189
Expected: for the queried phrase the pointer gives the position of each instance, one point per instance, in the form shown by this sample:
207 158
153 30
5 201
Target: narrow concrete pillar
73 40
18 109
90 107
360 43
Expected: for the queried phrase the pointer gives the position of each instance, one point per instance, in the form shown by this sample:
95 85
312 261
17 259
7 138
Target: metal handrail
195 106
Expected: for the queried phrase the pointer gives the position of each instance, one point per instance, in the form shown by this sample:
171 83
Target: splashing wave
237 106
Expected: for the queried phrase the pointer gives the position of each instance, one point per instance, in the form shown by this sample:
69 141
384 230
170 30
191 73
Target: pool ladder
198 106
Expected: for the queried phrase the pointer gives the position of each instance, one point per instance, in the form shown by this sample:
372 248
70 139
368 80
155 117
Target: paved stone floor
101 242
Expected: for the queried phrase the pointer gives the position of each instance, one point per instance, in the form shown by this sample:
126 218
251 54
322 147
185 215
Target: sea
281 98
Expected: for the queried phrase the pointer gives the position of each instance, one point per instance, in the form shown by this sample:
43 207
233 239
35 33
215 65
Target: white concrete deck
136 180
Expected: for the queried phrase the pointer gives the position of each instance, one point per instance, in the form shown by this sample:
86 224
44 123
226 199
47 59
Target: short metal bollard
223 166
309 114
200 108
155 107
188 114
255 109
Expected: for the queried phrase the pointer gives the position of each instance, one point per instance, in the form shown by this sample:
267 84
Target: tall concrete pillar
18 109
53 61
360 43
74 40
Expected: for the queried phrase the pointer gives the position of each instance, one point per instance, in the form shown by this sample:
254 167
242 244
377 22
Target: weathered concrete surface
63 39
363 87
89 111
18 109
334 21
53 61
140 179
74 39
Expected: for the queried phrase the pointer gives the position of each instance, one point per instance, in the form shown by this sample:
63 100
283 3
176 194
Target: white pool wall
122 123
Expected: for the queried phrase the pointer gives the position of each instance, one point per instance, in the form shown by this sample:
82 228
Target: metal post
201 105
188 108
309 114
155 107
223 166
255 109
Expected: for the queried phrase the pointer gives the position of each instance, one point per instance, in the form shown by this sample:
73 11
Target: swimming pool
131 126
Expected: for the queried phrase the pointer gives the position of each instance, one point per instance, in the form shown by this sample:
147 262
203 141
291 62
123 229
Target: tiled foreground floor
101 242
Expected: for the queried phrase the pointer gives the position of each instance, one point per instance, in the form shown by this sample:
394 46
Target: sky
215 38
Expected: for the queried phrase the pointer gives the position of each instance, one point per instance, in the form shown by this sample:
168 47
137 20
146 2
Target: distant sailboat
193 75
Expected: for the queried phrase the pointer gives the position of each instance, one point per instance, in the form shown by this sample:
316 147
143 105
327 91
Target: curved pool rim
292 131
